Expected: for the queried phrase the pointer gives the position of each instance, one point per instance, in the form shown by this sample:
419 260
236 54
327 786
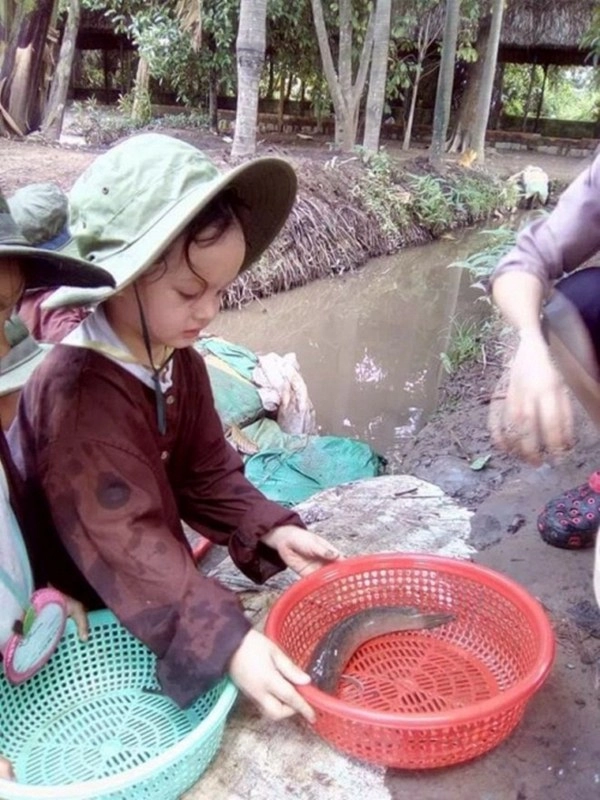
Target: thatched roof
552 29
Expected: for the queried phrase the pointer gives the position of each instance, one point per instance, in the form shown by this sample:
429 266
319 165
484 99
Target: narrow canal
369 343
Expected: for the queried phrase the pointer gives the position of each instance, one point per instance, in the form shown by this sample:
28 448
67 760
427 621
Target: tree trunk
344 96
281 101
443 96
141 86
538 112
7 15
21 75
425 38
462 138
496 107
213 110
250 49
55 108
527 102
378 75
413 104
487 81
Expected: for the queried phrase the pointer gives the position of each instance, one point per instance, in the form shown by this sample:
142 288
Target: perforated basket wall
426 698
93 724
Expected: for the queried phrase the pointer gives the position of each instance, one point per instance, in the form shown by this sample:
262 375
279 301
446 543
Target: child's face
12 285
179 302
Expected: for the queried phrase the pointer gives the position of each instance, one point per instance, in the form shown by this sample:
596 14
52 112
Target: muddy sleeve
217 500
565 239
112 514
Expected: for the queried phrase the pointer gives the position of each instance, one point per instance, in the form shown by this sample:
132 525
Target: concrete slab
261 759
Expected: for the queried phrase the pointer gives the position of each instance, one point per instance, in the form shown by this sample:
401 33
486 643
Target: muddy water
369 343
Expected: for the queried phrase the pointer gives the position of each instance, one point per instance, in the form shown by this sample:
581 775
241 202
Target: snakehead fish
335 649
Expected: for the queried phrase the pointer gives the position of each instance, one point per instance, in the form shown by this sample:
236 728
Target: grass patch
467 342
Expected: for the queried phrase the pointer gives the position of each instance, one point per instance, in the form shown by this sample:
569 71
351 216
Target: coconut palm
378 73
250 50
487 81
443 98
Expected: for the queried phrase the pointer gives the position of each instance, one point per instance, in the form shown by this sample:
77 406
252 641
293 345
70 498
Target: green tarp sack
290 468
230 368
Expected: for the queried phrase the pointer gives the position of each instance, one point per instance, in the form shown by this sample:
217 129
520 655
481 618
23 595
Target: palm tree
378 75
250 49
487 81
443 97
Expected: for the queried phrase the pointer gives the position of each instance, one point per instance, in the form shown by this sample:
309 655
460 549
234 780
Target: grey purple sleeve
562 241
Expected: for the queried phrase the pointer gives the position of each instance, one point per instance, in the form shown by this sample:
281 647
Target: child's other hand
6 770
263 672
78 614
301 549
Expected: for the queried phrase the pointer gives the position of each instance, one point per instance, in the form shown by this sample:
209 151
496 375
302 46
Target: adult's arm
561 241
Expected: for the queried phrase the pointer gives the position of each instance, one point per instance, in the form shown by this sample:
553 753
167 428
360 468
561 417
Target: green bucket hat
41 211
24 356
45 268
135 199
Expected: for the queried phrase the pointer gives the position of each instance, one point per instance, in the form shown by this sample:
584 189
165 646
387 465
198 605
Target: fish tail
435 619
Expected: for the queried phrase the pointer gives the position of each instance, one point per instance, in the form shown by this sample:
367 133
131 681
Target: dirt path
32 160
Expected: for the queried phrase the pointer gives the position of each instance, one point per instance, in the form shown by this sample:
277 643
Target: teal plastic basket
93 724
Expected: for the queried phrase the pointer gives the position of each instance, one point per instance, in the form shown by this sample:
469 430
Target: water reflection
368 343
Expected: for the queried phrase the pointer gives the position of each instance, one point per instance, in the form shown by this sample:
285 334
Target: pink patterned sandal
571 520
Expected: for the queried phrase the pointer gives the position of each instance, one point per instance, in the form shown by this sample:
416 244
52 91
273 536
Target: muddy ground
555 753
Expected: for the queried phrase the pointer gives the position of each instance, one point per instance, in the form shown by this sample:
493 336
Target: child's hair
219 215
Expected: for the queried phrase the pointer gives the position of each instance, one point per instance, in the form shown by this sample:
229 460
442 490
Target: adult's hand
534 418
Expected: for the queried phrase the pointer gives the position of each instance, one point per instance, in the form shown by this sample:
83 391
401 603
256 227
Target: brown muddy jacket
562 241
86 436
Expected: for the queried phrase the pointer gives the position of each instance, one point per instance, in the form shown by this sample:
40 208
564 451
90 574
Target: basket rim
505 586
12 790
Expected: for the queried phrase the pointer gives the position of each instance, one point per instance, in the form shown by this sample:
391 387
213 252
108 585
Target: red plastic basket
427 698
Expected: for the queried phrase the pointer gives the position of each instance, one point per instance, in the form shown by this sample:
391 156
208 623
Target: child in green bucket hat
118 430
23 592
41 212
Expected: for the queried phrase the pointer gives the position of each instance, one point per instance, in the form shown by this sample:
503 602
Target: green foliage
186 119
570 92
136 107
380 195
476 198
480 264
100 125
432 202
443 201
466 343
173 59
591 38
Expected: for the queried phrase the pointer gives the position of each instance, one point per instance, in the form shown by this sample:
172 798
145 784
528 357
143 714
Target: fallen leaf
480 462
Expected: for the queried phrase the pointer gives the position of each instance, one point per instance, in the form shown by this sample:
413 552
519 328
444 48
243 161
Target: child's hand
264 673
77 612
6 770
301 550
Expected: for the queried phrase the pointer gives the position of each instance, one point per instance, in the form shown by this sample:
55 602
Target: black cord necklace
161 405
